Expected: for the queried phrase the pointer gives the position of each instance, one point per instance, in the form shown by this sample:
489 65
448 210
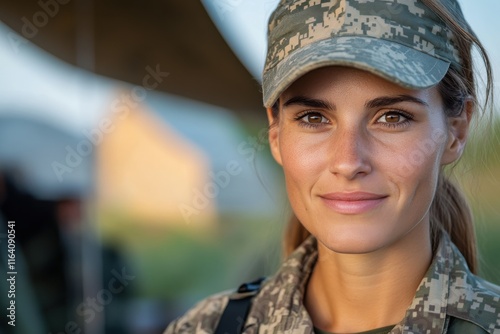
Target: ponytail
449 212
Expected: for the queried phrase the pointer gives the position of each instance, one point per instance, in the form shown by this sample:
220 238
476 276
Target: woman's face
361 156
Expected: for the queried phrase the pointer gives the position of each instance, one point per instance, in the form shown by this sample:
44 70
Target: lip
351 203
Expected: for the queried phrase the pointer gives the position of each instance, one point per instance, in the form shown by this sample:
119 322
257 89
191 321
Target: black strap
236 311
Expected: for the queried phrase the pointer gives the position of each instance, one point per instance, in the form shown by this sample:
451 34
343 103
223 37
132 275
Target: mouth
352 203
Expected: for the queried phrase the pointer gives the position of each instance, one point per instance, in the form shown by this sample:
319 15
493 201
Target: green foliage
189 262
483 148
488 235
479 176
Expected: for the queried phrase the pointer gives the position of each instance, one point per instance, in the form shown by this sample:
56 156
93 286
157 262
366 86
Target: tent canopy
120 39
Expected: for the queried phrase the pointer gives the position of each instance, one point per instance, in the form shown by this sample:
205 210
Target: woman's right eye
312 119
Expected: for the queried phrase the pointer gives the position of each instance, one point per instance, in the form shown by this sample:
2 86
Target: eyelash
303 114
408 119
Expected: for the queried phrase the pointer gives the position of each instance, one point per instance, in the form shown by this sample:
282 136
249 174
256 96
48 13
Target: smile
352 203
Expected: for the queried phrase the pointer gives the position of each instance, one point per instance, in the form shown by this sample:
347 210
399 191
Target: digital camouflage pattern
449 299
401 40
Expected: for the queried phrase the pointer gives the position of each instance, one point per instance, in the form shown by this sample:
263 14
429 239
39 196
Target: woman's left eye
394 119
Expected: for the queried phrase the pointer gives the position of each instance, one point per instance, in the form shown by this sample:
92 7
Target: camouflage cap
402 41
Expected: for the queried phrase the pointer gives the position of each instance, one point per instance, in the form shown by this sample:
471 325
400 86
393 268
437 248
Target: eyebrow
389 100
375 103
308 102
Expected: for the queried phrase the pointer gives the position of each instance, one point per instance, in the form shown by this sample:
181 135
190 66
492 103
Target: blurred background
135 163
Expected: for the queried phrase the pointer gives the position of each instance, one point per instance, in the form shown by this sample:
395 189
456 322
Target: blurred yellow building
149 173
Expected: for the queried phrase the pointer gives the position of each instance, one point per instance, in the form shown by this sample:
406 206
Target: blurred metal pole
91 247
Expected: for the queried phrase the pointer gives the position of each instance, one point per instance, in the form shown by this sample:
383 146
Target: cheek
420 153
303 161
411 164
303 155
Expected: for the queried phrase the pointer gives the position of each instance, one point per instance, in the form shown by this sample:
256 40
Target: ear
458 131
274 136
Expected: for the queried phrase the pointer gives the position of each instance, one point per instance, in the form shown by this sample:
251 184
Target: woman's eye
393 118
313 118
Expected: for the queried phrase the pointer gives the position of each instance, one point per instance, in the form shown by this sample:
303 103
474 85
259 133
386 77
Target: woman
367 102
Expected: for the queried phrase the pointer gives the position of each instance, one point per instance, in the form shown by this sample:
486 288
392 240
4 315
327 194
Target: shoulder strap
236 311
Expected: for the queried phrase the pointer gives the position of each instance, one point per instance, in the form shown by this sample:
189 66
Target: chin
353 242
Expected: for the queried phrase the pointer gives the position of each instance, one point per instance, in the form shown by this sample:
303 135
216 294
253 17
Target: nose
350 151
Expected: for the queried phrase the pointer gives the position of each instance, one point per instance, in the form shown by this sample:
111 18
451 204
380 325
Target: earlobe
458 131
273 136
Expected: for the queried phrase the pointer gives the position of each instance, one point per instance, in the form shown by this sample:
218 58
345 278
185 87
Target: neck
349 293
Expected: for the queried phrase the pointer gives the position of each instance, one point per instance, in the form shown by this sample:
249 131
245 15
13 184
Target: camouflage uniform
449 299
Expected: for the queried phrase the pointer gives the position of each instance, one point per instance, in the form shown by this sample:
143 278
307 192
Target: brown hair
449 210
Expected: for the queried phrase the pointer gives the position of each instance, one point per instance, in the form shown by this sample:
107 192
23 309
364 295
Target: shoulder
203 317
475 302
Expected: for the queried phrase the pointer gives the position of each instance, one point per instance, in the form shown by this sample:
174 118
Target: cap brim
395 62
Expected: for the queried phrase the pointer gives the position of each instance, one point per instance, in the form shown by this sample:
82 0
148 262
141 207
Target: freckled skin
353 151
